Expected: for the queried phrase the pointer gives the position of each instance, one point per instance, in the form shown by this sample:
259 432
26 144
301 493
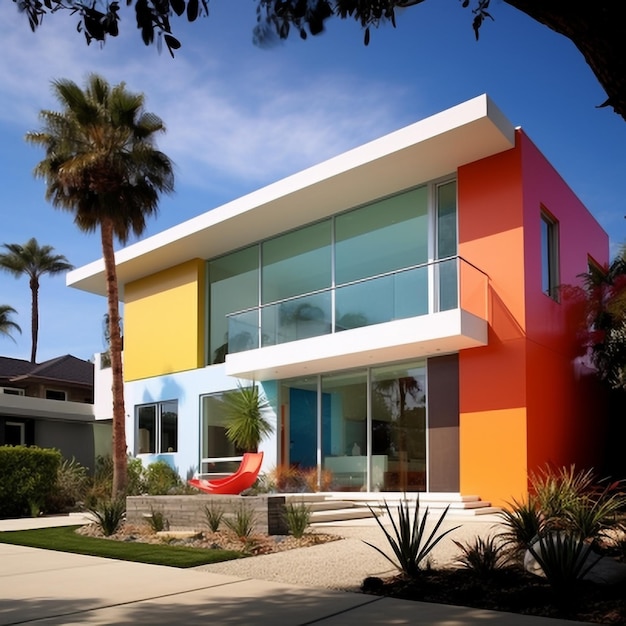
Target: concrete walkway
47 587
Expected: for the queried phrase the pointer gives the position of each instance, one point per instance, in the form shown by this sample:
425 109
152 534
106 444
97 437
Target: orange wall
492 391
521 403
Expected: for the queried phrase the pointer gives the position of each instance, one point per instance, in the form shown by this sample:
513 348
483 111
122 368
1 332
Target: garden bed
510 590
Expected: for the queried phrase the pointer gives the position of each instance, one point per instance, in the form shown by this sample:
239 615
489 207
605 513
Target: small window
549 256
157 427
12 391
55 394
15 434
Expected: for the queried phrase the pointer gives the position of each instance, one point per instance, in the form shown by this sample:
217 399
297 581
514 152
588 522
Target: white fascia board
426 150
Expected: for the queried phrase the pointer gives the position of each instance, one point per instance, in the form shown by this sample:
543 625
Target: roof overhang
427 150
40 408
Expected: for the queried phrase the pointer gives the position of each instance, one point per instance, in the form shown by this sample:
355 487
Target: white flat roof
426 150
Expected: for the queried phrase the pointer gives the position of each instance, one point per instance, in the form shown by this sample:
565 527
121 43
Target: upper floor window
549 255
157 427
12 391
367 265
55 394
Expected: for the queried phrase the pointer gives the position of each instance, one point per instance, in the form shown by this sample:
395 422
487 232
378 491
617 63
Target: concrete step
339 515
339 506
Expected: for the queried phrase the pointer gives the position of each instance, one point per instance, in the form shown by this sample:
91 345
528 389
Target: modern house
50 405
410 308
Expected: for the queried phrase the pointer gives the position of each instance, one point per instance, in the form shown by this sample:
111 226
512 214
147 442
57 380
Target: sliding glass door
366 429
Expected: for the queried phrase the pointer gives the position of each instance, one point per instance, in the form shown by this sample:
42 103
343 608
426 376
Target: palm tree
7 325
34 261
606 302
101 165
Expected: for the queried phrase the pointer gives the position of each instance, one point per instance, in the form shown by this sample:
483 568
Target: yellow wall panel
164 322
493 455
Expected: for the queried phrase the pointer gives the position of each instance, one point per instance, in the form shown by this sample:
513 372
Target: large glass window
294 264
398 398
376 239
215 444
357 423
234 286
382 237
297 262
447 245
157 427
366 266
344 429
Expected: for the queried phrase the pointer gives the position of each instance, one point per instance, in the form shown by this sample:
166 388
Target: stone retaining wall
188 512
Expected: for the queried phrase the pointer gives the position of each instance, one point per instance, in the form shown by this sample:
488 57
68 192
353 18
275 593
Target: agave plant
410 542
484 556
109 514
564 558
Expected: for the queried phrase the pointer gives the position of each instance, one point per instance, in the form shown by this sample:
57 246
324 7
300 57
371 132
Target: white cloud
250 121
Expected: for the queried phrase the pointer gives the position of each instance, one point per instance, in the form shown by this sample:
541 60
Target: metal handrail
409 268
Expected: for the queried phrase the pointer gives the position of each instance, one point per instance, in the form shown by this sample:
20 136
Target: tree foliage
7 325
33 260
606 293
596 28
101 165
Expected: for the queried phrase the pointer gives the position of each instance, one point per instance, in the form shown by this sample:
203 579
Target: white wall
187 388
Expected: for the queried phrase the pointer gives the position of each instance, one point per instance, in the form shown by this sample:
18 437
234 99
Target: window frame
549 244
158 437
60 393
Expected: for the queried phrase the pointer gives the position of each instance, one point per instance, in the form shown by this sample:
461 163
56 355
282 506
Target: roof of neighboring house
65 369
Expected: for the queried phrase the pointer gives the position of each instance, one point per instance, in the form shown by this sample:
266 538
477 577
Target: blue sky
239 117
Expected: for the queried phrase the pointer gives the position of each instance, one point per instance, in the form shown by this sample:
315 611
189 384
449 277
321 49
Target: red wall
521 402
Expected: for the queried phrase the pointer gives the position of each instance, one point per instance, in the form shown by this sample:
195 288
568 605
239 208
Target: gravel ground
344 564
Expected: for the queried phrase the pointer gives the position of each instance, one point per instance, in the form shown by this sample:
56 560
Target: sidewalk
46 587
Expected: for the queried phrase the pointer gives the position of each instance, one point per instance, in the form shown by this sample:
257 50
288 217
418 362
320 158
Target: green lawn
65 539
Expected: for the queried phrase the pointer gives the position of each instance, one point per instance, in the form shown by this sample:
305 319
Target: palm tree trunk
120 459
34 318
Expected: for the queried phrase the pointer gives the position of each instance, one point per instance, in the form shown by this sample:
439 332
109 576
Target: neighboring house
50 405
410 309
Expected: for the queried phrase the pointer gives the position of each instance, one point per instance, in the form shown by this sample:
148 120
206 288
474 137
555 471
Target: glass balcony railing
423 289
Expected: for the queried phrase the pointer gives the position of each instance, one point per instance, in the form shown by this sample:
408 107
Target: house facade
411 309
50 405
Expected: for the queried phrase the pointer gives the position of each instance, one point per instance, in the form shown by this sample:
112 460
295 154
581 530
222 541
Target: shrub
289 479
597 511
70 489
135 473
298 518
559 491
101 482
484 556
157 520
409 541
109 515
28 478
242 523
213 514
522 522
160 479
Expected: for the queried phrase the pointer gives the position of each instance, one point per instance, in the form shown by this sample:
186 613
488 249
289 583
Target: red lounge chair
234 484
